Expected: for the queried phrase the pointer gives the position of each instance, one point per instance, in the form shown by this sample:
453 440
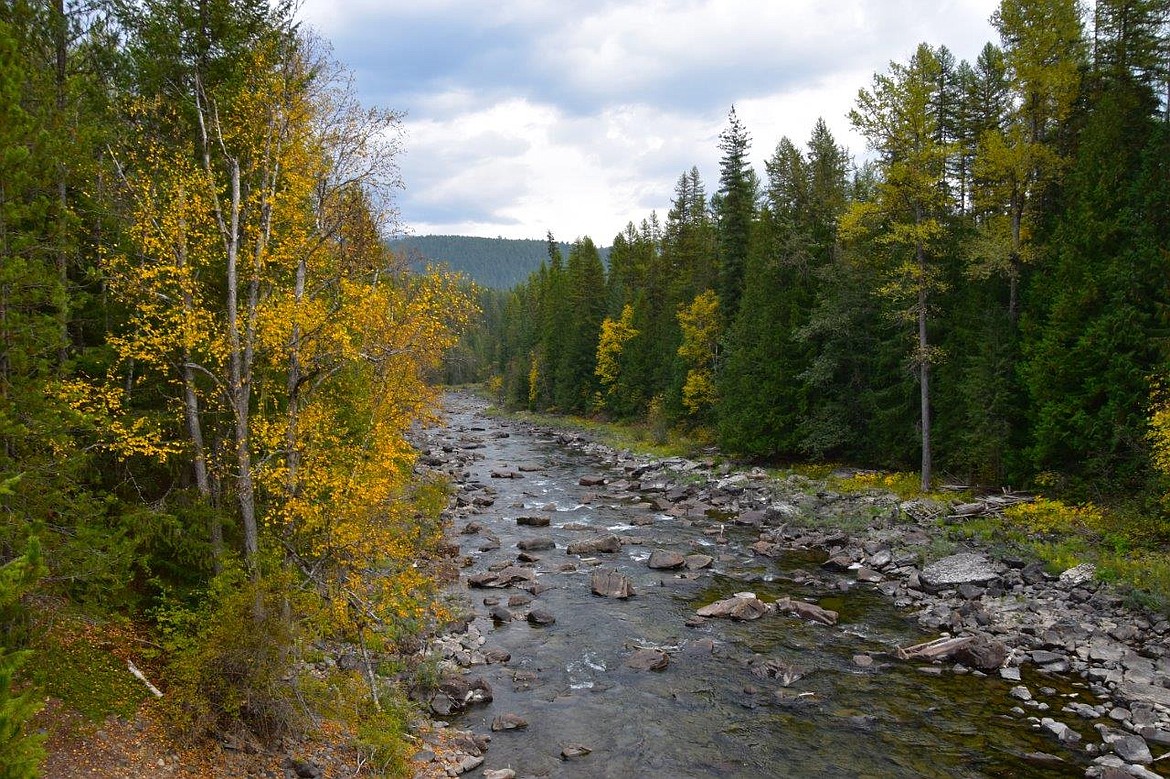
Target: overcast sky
524 116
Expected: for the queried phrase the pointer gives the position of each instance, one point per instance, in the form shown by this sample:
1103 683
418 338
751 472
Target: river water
707 714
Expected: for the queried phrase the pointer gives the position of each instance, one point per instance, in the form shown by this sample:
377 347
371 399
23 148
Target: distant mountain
499 263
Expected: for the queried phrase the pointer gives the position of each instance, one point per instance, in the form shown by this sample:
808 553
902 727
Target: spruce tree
734 207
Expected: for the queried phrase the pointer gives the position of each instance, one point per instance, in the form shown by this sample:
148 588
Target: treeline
984 296
495 263
208 359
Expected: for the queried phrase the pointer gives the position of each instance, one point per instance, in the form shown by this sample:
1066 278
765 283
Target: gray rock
533 521
664 560
509 722
541 617
1131 748
648 660
697 561
965 568
744 608
610 543
1078 575
499 773
809 611
611 584
1021 692
574 751
536 544
983 653
1063 732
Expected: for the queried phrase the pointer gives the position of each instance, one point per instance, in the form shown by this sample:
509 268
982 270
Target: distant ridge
499 263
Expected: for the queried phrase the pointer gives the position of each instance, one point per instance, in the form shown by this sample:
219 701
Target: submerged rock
509 722
809 611
541 617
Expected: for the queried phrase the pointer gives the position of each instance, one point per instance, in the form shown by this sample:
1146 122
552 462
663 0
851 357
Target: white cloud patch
532 115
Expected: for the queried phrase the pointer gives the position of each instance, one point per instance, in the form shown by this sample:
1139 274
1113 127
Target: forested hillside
981 292
208 365
497 263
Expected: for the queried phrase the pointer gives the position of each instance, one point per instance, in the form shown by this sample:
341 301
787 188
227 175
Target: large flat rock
965 568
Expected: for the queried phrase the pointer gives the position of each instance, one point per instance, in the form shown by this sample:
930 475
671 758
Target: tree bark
924 367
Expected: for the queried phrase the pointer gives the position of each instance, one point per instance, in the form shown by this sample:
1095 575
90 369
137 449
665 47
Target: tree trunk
238 388
63 313
924 369
194 422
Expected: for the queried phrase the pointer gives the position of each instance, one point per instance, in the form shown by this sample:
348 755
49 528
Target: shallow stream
707 714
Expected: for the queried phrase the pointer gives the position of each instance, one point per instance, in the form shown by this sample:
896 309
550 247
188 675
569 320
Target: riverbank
1070 661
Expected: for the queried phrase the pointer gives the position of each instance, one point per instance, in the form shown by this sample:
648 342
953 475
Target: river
777 697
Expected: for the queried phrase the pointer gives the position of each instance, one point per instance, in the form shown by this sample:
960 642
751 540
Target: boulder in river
975 651
509 722
532 521
648 660
697 561
809 611
610 543
456 693
743 607
541 617
574 751
536 544
611 584
665 560
591 481
983 653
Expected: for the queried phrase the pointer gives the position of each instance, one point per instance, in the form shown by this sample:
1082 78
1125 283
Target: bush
232 659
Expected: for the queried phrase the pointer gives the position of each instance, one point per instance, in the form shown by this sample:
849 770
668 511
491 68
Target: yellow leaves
611 342
1053 516
101 410
1158 433
699 391
701 330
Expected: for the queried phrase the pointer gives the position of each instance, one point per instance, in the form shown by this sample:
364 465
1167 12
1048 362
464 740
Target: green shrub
232 658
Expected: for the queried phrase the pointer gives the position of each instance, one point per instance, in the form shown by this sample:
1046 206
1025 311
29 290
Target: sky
578 116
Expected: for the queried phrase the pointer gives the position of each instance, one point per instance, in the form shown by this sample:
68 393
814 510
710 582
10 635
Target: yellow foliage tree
701 329
615 334
262 299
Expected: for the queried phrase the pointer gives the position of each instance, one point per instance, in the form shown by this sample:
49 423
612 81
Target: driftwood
938 649
142 678
989 505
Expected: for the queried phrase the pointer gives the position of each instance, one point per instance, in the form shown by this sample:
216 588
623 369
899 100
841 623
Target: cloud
529 115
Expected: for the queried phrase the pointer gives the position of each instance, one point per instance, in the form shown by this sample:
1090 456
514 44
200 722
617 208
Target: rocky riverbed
630 616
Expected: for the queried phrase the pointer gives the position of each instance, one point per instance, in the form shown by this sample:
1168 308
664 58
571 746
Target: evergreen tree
576 381
735 206
1103 302
20 752
899 119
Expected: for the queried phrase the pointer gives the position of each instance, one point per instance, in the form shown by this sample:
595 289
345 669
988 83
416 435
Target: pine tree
734 206
20 752
899 119
1103 303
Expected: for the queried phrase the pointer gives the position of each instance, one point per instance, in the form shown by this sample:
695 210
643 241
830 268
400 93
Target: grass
639 438
81 663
